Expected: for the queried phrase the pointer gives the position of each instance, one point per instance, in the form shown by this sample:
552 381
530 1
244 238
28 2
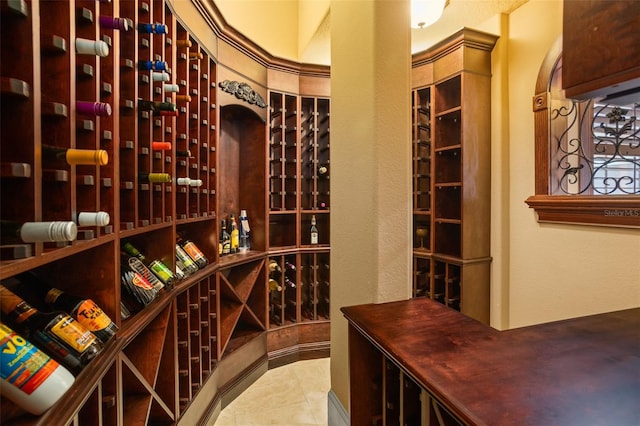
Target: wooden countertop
582 371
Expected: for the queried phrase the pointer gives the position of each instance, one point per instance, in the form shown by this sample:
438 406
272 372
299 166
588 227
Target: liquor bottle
314 230
152 66
194 252
158 108
154 177
56 333
33 232
156 266
93 219
76 156
139 283
101 109
225 239
31 379
274 267
156 28
245 232
187 263
85 311
92 47
235 234
114 23
160 76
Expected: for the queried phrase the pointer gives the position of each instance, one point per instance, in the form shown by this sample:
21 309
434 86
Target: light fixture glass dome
426 12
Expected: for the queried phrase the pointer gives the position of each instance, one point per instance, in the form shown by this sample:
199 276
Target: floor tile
293 395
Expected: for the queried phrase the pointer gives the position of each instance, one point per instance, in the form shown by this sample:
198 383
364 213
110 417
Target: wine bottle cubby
451 178
118 115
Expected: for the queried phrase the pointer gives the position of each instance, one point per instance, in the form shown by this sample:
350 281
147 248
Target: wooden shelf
451 185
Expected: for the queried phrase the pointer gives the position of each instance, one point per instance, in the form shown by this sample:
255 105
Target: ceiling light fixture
426 12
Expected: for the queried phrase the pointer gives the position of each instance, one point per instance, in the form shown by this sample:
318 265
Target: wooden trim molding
600 210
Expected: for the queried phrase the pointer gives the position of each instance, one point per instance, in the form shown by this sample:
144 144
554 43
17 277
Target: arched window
587 155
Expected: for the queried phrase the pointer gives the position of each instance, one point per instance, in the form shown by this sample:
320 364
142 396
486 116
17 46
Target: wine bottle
85 311
160 76
138 282
245 232
314 230
274 285
156 28
290 266
64 338
76 156
113 23
235 234
322 170
288 282
161 146
274 267
152 66
183 153
189 266
92 47
156 266
183 181
93 219
154 177
183 43
194 252
170 88
158 108
33 232
101 109
225 239
31 379
195 55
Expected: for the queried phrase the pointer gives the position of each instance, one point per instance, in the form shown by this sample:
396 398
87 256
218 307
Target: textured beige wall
556 271
370 164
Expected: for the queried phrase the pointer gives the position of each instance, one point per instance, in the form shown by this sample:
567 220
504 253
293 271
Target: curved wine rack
131 81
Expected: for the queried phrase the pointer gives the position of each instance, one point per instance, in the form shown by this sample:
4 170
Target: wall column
370 163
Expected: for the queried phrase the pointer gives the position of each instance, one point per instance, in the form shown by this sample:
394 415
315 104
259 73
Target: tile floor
294 394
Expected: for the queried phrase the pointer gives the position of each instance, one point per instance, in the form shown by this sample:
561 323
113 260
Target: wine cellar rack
160 108
451 173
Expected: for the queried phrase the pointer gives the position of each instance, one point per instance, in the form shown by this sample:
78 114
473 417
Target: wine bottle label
186 259
22 364
193 251
72 333
136 265
162 272
92 317
314 238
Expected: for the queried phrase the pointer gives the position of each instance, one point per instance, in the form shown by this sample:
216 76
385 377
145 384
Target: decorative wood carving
243 91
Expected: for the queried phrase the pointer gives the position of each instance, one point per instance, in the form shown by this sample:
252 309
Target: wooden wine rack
201 341
451 173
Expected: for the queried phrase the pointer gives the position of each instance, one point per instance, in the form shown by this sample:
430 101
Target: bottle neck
14 306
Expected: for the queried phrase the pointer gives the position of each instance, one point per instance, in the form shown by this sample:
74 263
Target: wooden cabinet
451 172
600 50
453 370
209 333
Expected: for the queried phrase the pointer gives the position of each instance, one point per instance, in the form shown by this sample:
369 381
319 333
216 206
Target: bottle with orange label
85 311
56 333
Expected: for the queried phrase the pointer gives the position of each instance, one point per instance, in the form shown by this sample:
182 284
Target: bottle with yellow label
30 378
56 333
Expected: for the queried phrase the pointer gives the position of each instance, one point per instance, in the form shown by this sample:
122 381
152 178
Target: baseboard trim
337 415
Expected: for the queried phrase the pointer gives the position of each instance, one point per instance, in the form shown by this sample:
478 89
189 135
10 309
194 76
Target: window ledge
611 210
